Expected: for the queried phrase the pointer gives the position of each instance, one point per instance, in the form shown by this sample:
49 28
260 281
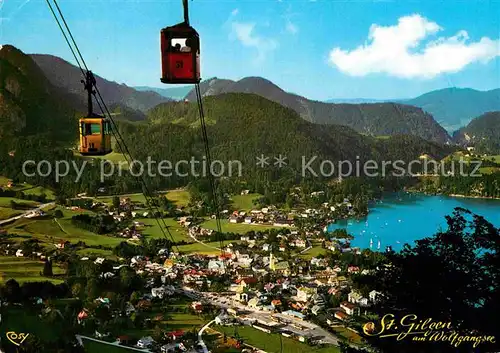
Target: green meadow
25 270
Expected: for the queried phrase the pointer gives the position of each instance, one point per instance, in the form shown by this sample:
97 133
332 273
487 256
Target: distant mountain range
357 100
371 119
454 108
366 116
175 93
39 117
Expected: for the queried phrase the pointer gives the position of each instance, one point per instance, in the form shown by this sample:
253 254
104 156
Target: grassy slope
24 270
5 202
236 227
179 196
244 202
50 231
6 213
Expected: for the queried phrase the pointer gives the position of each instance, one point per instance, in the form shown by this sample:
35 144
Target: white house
373 296
223 319
145 342
160 292
19 253
216 266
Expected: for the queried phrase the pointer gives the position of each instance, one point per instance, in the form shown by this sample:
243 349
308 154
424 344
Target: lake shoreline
473 197
407 217
416 192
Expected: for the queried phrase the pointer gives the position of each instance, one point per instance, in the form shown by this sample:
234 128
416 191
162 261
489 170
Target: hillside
371 119
244 126
482 132
175 93
30 105
67 76
454 108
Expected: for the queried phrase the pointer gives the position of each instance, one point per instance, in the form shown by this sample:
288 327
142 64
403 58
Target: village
267 278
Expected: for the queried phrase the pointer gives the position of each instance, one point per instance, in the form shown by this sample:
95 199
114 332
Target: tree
11 291
135 297
58 214
116 202
92 288
47 268
453 277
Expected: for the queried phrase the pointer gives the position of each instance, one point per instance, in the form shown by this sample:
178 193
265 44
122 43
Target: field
97 252
114 157
51 231
271 342
6 213
5 202
205 249
3 180
152 229
349 335
28 189
179 196
24 270
138 197
241 228
244 202
314 252
488 170
38 190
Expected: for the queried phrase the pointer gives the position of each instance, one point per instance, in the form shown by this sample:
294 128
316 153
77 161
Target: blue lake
403 218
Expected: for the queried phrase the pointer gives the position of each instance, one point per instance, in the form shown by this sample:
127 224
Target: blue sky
316 48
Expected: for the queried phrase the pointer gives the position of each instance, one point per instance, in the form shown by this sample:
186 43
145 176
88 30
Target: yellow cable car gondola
95 130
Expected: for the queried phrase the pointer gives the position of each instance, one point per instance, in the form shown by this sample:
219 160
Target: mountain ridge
455 107
483 132
65 75
369 118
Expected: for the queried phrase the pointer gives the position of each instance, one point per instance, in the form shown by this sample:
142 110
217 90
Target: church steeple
272 260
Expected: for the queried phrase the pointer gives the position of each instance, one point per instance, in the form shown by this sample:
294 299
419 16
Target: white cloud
399 51
245 33
235 12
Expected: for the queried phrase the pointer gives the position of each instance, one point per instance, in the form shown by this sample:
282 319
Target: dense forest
371 119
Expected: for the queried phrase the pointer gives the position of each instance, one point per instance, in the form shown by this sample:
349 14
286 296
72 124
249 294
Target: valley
138 263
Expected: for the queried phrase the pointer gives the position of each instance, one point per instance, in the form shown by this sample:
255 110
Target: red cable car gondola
180 52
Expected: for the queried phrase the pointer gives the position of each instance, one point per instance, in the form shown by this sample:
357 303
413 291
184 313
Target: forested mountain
122 112
244 126
175 93
30 105
454 108
371 119
241 127
482 132
67 76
